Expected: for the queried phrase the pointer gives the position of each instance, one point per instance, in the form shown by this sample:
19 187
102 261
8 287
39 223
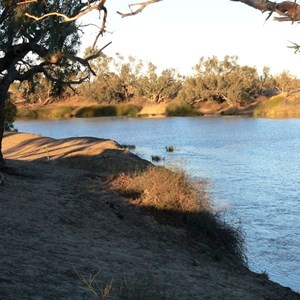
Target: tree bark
3 96
5 83
262 5
287 10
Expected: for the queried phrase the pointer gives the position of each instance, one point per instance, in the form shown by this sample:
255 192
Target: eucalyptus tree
43 36
158 87
222 81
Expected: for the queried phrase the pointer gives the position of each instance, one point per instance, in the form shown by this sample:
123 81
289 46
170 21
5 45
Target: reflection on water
253 165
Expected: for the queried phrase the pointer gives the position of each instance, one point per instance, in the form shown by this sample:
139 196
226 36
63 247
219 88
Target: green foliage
157 88
221 81
180 109
286 83
57 112
10 112
119 80
96 111
128 110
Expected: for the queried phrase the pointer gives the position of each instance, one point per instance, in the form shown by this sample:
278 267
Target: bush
10 112
57 112
128 110
24 113
96 111
181 109
175 199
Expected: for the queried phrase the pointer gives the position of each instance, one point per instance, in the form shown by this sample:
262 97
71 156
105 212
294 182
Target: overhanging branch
142 5
288 10
89 7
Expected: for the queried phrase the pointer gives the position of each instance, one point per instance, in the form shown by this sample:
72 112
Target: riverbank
61 222
78 107
282 105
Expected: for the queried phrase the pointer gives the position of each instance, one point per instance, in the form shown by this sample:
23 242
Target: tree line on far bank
120 80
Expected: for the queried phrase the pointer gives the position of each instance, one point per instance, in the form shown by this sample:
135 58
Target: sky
176 34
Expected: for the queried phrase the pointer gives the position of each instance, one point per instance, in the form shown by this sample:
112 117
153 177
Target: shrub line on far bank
97 110
89 111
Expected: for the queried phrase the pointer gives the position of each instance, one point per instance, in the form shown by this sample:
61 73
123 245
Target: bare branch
98 53
102 29
96 6
288 10
142 5
69 82
26 2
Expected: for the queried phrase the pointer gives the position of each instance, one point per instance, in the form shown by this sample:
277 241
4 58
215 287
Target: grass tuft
94 111
128 110
173 198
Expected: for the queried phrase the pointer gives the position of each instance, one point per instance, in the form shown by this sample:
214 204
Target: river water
253 166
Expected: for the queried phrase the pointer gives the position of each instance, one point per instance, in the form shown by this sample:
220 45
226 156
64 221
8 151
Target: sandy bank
59 219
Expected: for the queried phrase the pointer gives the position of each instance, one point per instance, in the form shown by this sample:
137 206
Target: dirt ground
61 225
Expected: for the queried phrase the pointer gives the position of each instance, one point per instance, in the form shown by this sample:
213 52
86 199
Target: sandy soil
60 221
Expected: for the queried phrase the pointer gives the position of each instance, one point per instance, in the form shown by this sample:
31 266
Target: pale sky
177 33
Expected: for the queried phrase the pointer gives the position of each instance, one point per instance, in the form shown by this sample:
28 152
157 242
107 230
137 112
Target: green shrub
96 111
181 109
61 112
57 112
128 110
10 112
25 113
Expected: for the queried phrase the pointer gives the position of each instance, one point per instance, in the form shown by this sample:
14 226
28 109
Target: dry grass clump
174 199
162 189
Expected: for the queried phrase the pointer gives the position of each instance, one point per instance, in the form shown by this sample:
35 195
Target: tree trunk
2 103
4 86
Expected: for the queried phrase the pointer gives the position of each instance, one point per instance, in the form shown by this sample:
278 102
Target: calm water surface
253 166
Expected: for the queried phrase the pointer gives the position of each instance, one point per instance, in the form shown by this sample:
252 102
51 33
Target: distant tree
221 81
128 71
115 80
158 87
286 83
10 112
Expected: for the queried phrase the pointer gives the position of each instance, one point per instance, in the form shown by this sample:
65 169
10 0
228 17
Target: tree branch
142 5
96 6
288 10
26 2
